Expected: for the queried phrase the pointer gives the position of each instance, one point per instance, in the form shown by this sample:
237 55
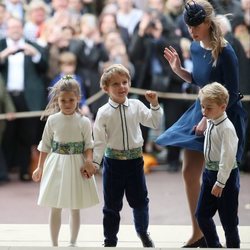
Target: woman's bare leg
193 162
55 224
74 223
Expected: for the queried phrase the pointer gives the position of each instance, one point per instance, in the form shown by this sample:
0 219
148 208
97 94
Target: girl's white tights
55 224
74 223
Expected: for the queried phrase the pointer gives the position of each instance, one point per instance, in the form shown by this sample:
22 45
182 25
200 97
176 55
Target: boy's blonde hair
67 83
214 92
112 70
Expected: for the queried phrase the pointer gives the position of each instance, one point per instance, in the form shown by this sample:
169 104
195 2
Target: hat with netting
194 14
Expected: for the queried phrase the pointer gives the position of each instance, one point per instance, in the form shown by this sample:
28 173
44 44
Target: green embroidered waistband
123 154
214 165
69 148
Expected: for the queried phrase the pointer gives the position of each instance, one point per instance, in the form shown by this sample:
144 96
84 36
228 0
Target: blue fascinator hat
194 14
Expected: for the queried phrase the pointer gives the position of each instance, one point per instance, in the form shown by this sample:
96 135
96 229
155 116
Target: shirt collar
220 119
115 105
89 42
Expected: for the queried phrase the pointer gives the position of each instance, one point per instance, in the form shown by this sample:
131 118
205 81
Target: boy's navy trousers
124 177
226 205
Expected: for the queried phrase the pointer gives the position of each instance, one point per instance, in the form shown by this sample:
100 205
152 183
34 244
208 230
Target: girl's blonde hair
214 92
67 84
217 39
112 70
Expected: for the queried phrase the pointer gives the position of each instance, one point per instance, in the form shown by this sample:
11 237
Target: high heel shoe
201 243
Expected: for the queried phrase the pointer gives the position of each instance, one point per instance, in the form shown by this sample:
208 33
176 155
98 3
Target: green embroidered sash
69 148
214 165
123 154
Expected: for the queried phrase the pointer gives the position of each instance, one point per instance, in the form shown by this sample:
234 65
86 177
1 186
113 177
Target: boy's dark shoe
146 240
109 244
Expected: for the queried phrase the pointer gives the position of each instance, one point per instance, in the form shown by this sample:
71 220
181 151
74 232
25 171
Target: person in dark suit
6 106
22 64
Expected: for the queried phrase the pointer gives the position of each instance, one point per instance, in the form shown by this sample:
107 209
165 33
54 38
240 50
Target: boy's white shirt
221 146
117 126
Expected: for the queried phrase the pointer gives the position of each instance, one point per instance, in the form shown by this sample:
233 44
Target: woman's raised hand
173 58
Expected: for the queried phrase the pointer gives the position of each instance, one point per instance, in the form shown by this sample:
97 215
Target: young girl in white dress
65 165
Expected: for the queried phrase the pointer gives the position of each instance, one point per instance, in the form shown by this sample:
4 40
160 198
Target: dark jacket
34 84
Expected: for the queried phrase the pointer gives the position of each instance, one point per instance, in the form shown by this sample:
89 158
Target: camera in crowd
152 24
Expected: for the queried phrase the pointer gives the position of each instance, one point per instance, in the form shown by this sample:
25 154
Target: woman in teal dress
213 60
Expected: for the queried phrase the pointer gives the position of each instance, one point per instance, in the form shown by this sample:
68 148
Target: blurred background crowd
40 41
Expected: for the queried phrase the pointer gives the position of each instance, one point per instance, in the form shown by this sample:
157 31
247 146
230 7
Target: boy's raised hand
152 97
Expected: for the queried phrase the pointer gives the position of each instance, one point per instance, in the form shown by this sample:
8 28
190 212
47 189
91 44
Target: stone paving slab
167 206
36 236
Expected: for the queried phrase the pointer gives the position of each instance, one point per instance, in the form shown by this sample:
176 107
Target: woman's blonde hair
214 92
67 84
217 39
112 70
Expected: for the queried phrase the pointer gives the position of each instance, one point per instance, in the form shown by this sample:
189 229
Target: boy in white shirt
118 137
220 182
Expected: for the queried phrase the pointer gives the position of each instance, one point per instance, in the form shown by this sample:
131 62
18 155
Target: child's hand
88 169
151 96
200 127
216 191
84 173
37 174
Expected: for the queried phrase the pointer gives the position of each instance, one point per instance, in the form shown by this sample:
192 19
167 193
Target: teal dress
226 72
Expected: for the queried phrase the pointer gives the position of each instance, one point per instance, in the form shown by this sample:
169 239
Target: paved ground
23 224
36 236
168 204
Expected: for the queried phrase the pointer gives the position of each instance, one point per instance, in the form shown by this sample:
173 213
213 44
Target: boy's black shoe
109 244
146 240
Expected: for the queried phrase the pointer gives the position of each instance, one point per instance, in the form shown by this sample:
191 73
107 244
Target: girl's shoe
72 245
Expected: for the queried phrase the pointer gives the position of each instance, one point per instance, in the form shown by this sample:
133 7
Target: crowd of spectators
97 34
